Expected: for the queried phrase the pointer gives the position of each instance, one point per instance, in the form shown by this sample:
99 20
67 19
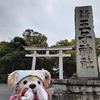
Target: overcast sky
53 18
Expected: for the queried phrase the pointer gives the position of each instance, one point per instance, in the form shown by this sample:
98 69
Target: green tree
35 39
97 43
12 55
65 43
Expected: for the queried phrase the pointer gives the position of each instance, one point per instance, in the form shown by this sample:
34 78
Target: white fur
28 95
42 94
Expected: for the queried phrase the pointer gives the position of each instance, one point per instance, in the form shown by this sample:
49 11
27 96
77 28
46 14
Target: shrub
74 75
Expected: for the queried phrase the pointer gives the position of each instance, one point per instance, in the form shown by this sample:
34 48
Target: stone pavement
5 91
51 91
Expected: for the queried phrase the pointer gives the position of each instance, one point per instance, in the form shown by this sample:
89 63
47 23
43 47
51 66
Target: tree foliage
35 39
12 53
65 43
97 42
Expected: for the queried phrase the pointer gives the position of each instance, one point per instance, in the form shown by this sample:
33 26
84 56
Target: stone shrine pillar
85 42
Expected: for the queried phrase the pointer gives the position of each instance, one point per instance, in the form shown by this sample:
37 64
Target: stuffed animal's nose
32 86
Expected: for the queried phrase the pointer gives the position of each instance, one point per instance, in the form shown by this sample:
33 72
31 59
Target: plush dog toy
29 84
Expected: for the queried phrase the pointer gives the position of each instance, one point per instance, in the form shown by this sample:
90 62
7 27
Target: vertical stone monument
85 42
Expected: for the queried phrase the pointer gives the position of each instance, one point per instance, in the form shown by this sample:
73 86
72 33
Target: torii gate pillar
60 65
34 60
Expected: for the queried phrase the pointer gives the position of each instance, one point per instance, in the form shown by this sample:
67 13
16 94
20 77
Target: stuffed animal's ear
47 78
11 79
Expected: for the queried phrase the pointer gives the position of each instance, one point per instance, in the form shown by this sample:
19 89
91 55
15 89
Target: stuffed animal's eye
39 82
25 82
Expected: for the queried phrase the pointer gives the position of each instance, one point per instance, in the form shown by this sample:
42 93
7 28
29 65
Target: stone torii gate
47 49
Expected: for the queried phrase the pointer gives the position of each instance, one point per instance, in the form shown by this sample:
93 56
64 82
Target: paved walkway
5 91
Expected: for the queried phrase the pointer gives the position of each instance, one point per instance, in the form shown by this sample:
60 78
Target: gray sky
53 18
